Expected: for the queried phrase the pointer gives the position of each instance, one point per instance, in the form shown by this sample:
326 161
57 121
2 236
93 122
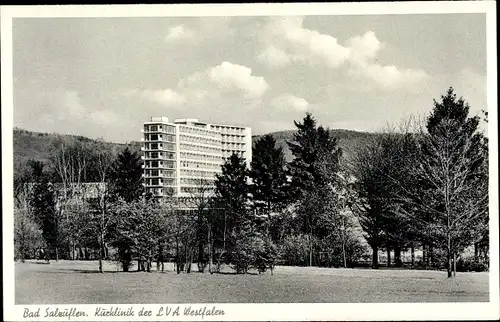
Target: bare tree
27 233
200 202
104 159
446 186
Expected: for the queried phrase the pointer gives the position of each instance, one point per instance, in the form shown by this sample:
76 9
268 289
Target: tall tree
200 203
231 201
269 180
126 176
452 174
43 204
313 171
100 205
139 226
371 201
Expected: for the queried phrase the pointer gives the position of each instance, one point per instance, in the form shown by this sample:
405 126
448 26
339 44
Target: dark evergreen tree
303 148
232 190
314 174
269 181
43 204
234 220
126 176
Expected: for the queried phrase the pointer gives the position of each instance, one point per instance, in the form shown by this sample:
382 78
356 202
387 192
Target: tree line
422 186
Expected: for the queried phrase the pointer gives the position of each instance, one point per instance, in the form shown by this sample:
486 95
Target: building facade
182 158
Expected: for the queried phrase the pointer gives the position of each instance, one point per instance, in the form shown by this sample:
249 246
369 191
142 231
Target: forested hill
347 140
40 146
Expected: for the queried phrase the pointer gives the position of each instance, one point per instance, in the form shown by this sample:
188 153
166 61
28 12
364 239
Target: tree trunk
454 264
177 259
201 255
310 251
210 255
388 256
100 253
448 255
424 254
57 254
397 255
476 252
412 255
343 243
431 254
375 256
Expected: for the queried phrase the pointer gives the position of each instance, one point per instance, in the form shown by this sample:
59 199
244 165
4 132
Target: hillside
40 146
347 140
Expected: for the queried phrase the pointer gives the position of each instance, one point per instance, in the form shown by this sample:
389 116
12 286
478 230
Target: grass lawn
78 282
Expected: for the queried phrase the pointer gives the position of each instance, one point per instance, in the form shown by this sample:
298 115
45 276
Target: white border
257 312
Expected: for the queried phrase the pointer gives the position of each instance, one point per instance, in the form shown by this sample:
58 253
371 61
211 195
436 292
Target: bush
468 264
295 250
243 255
266 254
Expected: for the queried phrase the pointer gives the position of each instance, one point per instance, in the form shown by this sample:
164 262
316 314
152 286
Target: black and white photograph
189 162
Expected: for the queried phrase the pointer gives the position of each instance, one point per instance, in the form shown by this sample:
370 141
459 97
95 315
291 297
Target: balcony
159 158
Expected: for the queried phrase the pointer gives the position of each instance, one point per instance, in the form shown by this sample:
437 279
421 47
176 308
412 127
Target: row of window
161 164
201 157
194 147
233 146
160 155
159 137
229 130
196 190
160 182
160 173
198 174
161 191
233 137
159 146
159 128
200 140
199 131
201 165
201 183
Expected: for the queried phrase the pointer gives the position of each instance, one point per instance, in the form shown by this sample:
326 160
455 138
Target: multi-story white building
182 156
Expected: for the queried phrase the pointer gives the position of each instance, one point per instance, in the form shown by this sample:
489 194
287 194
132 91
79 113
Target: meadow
78 282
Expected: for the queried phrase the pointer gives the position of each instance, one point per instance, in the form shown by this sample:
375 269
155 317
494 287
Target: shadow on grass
233 273
115 272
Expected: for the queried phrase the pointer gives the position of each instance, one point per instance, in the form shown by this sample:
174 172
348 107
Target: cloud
286 37
387 77
179 32
288 101
274 57
201 30
231 76
70 100
166 96
364 47
64 111
215 83
286 41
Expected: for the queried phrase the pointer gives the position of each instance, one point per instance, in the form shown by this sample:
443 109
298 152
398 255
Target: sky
104 77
